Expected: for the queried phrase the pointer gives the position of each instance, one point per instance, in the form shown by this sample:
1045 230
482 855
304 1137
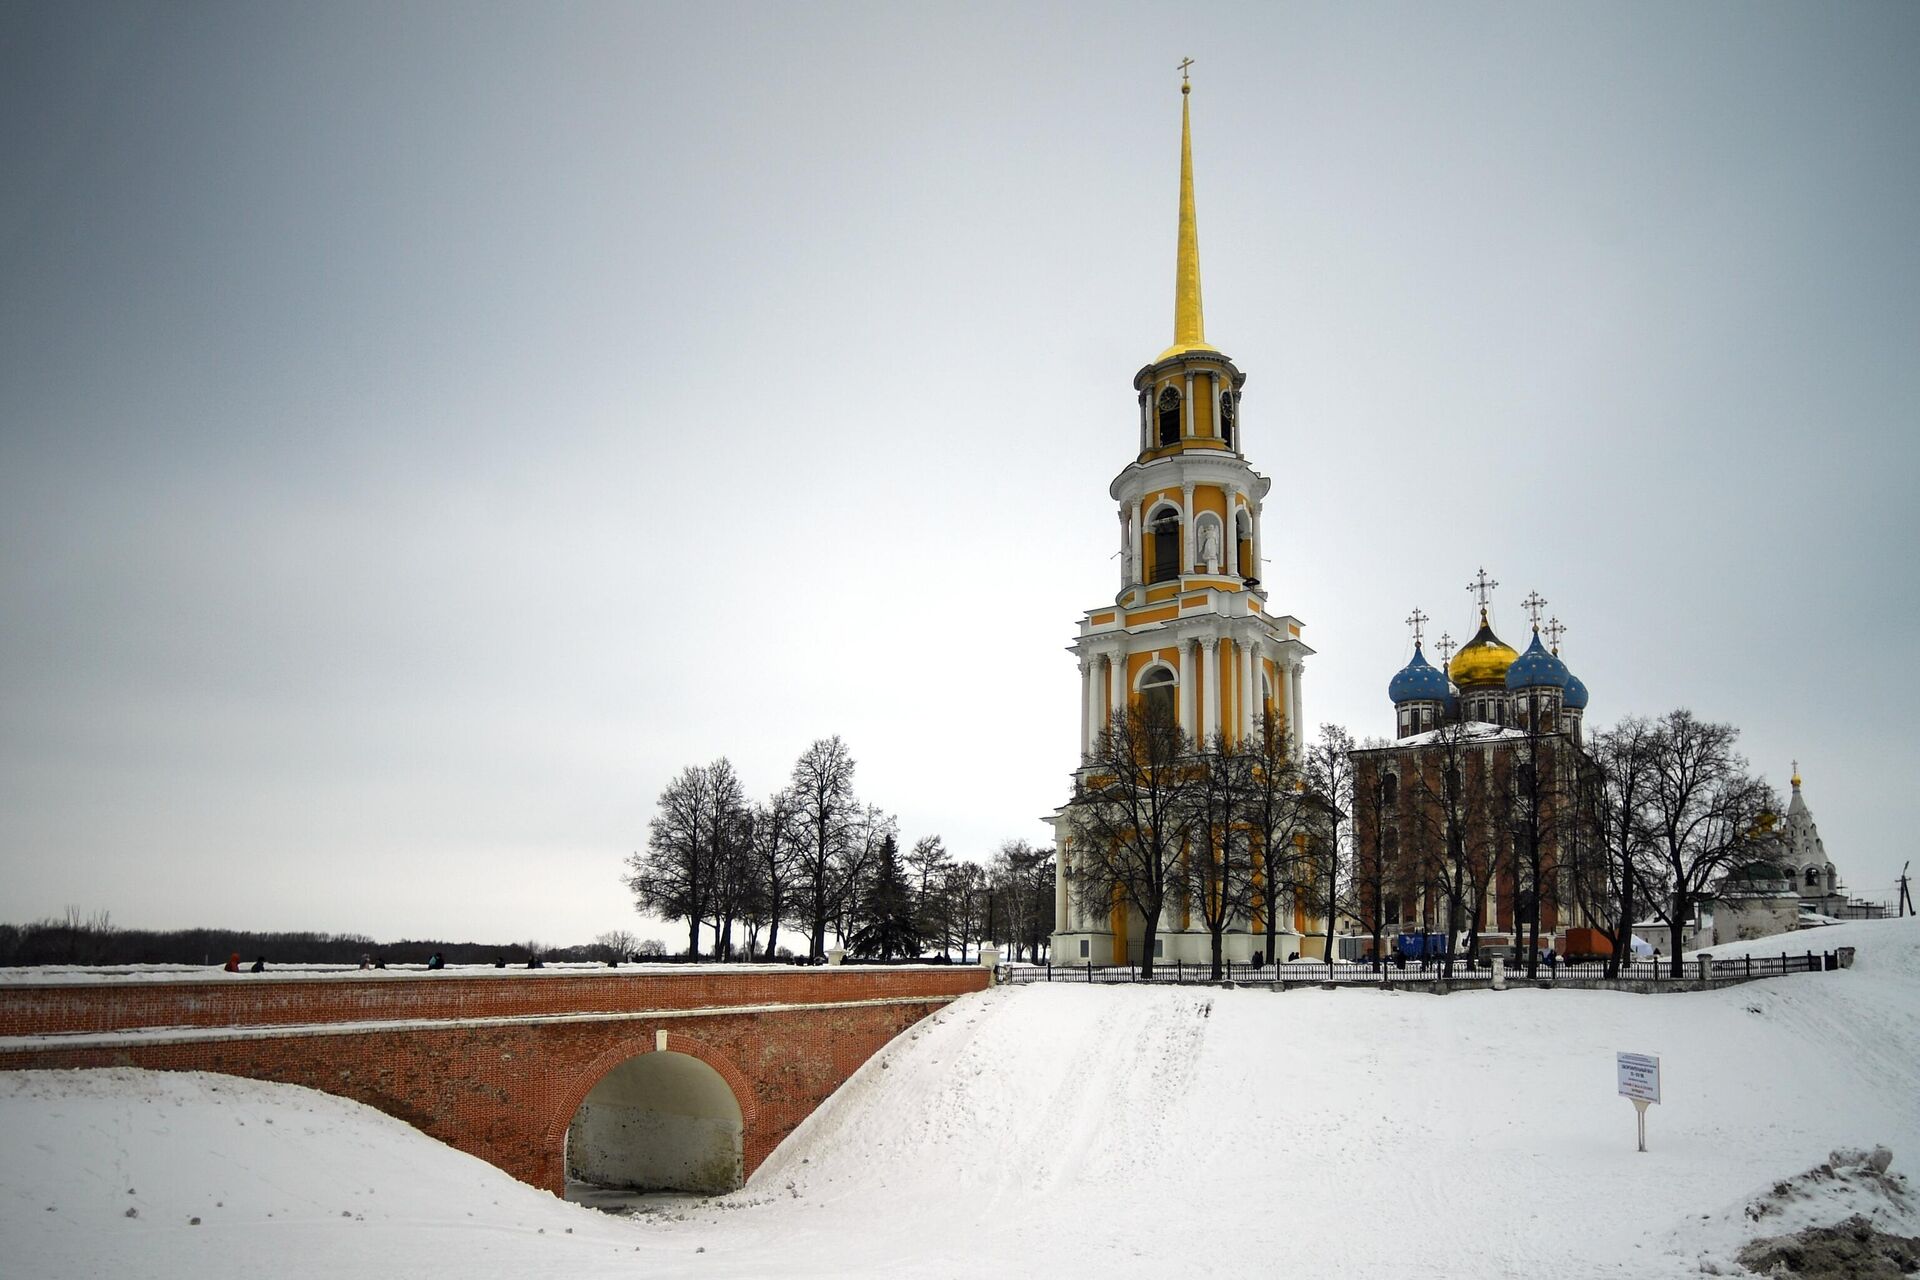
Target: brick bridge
646 1078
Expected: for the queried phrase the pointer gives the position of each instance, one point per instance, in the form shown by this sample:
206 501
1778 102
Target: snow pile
1083 1129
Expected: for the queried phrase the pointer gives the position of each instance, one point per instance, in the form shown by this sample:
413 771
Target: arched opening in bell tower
1169 411
1164 526
660 1121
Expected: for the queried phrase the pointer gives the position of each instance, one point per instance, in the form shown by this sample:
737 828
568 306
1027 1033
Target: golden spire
1189 325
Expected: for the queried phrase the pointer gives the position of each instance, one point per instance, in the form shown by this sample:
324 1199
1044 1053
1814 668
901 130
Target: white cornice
1201 466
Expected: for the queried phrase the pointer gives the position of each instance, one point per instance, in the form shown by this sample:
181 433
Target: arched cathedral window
1243 535
1390 789
1169 407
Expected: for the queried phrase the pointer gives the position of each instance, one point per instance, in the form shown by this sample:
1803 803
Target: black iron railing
1178 972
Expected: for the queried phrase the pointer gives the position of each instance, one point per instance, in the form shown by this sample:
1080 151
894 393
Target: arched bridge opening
660 1121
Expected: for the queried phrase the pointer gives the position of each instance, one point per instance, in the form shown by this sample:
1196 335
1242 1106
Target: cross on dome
1445 649
1481 589
1416 620
1555 629
1533 604
1184 64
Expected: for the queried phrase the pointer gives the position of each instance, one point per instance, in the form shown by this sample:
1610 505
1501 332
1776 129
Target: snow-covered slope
1068 1130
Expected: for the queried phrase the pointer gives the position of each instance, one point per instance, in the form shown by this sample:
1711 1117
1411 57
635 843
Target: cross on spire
1533 604
1555 629
1445 648
1184 64
1482 590
1416 620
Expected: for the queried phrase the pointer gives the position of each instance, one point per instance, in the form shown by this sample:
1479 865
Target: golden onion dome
1482 661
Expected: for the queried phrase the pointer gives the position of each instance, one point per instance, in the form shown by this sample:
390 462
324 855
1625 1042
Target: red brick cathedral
1465 826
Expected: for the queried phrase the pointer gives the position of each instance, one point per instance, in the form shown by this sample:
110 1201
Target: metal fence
1178 972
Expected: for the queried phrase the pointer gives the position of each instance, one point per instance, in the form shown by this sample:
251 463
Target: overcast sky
426 428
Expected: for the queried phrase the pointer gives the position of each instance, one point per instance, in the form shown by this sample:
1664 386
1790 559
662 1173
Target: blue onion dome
1575 698
1418 681
1537 669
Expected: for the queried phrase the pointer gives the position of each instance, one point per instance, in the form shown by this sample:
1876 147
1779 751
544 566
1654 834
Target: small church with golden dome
1191 633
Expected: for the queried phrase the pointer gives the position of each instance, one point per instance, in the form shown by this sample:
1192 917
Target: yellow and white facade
1191 623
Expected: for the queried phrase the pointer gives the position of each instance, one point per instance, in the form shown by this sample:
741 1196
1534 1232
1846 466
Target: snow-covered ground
1068 1130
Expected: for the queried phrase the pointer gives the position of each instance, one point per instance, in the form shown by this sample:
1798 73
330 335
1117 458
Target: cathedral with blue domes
1486 682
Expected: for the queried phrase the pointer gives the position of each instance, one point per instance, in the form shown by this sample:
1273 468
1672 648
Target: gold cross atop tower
1184 83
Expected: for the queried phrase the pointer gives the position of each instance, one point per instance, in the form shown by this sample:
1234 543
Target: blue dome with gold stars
1537 669
1418 681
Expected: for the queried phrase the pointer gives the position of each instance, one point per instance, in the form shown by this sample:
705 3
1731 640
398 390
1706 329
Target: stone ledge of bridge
285 1031
29 1009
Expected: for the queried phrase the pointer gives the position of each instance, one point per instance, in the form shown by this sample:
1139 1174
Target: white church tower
1190 631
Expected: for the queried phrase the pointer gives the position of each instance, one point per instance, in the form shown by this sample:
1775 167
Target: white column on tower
1187 404
1116 682
1089 730
1139 519
1297 715
1210 674
1253 570
1186 687
1247 687
1235 501
1189 545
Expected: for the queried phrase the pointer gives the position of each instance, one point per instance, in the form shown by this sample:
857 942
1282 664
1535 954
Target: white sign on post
1639 1075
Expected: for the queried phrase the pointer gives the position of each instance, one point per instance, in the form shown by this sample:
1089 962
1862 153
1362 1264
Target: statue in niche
1210 546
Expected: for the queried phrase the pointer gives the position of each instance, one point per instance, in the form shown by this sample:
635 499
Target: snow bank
1073 1130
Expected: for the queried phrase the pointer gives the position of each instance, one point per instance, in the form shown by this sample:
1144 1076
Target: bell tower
1190 631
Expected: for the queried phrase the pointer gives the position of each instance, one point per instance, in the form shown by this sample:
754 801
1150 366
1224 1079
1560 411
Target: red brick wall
505 1093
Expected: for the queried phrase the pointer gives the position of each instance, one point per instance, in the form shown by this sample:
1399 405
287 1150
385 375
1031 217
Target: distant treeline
97 941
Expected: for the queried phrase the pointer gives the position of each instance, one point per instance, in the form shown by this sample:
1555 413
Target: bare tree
1377 865
826 817
729 854
1329 776
1218 869
963 893
1704 810
1021 879
1608 884
615 945
1449 813
926 863
1130 818
673 877
775 849
1275 814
